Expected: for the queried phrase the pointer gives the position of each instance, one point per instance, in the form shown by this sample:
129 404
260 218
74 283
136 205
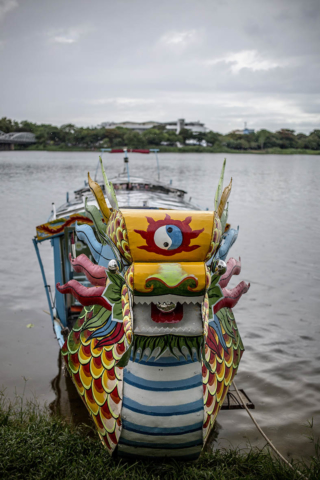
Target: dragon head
159 286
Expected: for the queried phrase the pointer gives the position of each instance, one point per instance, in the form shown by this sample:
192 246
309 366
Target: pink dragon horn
86 296
94 273
231 297
233 268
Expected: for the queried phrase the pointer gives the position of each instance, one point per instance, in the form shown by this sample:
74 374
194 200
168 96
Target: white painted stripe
153 452
163 373
164 422
145 397
140 437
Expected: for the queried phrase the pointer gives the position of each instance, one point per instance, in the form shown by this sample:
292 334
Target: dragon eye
168 237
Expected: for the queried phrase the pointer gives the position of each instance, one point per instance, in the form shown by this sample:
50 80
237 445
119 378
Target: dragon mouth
183 319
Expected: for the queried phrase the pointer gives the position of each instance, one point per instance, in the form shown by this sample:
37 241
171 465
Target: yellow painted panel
171 275
168 235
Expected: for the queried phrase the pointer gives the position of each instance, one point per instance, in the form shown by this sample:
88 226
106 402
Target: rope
265 436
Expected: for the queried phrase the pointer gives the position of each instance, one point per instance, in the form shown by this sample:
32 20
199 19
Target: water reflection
67 402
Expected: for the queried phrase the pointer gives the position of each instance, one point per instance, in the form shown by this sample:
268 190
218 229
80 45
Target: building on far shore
245 131
177 126
195 127
202 143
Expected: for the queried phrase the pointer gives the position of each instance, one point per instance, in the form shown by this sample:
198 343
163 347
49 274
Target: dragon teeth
167 298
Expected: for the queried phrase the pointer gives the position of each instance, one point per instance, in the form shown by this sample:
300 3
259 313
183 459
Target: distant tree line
69 136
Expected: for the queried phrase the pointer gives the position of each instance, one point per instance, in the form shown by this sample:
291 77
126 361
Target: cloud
179 39
130 102
6 6
64 39
70 35
250 59
222 62
223 112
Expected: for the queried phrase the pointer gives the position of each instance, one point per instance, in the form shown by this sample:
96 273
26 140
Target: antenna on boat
126 161
156 150
96 172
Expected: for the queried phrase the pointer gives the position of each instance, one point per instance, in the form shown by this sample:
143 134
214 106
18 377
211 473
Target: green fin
124 360
220 187
100 227
114 197
98 320
224 319
109 189
224 217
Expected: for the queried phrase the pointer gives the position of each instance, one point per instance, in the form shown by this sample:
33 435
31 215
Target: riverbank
35 444
187 149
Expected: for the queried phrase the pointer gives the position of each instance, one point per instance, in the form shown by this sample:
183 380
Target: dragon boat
142 312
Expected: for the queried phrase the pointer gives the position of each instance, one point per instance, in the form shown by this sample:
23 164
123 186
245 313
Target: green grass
187 149
35 445
221 149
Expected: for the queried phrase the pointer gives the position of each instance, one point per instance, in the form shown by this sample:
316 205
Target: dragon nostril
169 229
166 244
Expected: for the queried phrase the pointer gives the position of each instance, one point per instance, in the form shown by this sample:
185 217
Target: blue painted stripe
163 411
156 431
162 446
169 386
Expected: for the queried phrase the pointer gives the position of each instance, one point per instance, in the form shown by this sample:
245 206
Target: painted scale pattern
98 380
216 237
116 230
162 412
223 365
126 312
129 276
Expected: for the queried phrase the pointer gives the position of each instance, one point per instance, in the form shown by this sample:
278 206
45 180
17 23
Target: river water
275 200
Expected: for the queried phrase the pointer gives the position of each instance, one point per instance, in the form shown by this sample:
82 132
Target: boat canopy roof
121 182
138 193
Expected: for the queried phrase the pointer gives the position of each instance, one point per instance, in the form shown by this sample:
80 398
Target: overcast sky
222 62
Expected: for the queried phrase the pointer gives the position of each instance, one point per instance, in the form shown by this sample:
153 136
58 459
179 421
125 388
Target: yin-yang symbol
168 237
